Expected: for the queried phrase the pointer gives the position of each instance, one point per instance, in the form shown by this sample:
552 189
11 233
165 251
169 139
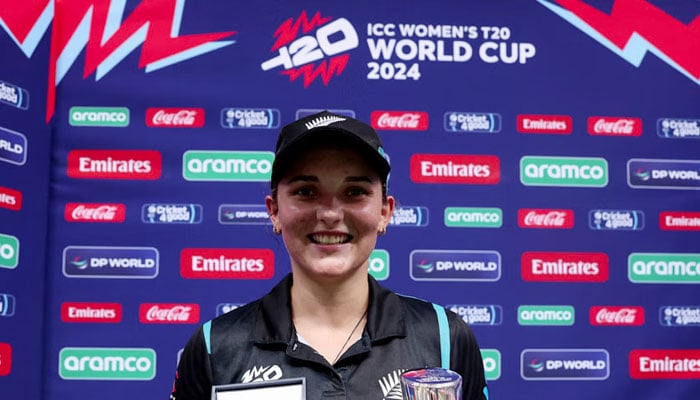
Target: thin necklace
337 356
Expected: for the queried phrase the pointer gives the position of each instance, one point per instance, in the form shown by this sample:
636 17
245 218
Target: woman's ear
387 211
272 210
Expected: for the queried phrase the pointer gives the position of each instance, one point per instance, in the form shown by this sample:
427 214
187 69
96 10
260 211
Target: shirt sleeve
193 379
465 359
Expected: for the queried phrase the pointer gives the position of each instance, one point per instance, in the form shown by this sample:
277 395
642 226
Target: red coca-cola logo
614 126
95 212
545 218
151 313
400 120
175 117
616 315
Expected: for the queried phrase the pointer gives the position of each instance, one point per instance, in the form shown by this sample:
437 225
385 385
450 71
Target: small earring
382 231
276 230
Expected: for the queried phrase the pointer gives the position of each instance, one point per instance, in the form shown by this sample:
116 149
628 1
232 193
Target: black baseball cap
330 128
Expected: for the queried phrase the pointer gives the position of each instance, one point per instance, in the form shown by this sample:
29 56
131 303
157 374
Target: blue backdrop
545 158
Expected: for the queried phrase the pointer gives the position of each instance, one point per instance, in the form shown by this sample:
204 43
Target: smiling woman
329 321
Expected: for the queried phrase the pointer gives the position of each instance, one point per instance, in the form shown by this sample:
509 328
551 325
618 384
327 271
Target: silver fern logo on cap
323 121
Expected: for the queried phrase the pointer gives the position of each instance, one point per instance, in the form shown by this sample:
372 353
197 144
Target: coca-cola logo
95 212
400 120
150 313
546 218
615 126
616 315
175 117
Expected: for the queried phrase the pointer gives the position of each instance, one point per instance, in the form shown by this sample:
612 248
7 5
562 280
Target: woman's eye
304 192
356 192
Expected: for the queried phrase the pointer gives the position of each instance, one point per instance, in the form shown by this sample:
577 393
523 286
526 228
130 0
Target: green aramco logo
240 166
563 171
85 363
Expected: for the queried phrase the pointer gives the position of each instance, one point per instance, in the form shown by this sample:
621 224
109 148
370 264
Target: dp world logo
127 364
563 171
455 265
564 364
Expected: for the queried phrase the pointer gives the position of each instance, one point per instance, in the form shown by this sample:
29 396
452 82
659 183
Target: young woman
329 321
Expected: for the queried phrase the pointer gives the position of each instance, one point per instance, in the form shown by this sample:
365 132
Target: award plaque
288 389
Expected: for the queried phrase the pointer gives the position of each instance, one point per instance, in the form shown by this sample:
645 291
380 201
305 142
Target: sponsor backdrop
545 157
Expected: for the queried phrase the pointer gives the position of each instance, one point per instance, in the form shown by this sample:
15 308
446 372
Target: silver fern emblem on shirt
391 385
323 121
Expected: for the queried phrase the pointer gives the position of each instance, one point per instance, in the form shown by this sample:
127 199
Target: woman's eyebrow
303 178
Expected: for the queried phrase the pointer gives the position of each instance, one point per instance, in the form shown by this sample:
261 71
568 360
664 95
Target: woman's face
329 207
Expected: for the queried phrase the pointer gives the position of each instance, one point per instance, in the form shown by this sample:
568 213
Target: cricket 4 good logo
679 316
378 264
492 363
10 199
91 312
246 118
633 28
563 171
155 313
664 364
13 95
13 147
678 128
473 217
455 265
664 267
409 216
616 315
552 124
546 315
614 126
616 220
399 120
116 117
114 164
663 174
478 314
455 169
223 308
5 359
100 29
456 121
312 47
564 267
564 364
545 218
154 213
175 117
212 263
120 363
9 251
239 166
7 305
679 220
110 262
95 212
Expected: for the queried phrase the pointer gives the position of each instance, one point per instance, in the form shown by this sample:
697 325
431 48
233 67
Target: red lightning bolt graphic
150 23
289 29
679 42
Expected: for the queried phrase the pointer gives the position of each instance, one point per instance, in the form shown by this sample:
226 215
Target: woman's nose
329 210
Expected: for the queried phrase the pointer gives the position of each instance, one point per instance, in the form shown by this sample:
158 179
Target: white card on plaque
288 389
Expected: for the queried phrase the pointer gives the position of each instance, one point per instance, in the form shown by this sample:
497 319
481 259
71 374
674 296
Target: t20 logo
329 44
